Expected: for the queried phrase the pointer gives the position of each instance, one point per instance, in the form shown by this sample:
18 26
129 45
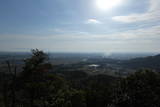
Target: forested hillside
38 85
152 62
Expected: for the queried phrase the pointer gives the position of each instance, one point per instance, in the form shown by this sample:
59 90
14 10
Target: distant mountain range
130 61
152 62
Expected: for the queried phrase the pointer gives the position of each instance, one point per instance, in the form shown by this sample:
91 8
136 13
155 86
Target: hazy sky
80 26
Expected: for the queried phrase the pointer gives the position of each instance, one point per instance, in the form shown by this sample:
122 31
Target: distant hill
152 62
127 56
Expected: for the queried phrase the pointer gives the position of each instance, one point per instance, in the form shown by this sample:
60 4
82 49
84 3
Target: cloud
151 15
93 21
139 40
141 35
56 30
138 34
151 33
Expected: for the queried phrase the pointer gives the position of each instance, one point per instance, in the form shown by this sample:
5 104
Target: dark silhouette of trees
140 89
38 86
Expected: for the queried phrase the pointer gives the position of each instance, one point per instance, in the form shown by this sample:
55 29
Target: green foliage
78 98
38 86
98 90
141 88
38 61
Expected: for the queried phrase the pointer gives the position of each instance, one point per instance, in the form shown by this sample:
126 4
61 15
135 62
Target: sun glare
107 4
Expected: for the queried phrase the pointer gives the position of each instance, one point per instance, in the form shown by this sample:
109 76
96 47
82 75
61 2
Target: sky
80 26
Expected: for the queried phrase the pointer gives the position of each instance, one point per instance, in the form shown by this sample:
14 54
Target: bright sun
107 4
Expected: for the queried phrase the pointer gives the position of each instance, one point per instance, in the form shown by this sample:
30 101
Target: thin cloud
138 34
151 15
93 21
144 39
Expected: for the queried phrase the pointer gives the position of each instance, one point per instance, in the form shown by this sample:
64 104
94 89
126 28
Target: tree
139 89
33 75
41 88
98 90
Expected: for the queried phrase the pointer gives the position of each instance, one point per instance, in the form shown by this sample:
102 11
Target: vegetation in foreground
38 86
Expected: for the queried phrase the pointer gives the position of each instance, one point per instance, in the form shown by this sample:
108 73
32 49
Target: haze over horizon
80 26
